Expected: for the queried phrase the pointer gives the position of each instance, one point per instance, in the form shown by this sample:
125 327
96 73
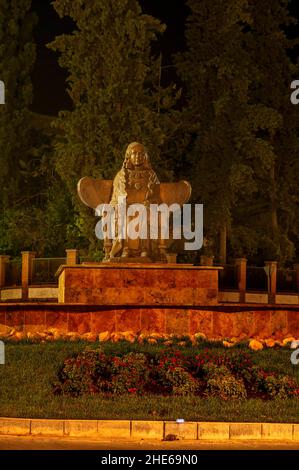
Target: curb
162 430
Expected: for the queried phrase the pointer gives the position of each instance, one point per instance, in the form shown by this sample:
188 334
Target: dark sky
49 79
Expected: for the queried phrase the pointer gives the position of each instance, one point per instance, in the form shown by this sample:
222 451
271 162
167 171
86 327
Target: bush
226 387
221 383
88 372
224 375
238 362
280 386
130 374
180 381
170 375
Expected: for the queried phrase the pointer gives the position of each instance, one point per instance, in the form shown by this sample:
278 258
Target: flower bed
170 372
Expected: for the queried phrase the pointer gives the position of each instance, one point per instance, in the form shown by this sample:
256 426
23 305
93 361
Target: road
45 443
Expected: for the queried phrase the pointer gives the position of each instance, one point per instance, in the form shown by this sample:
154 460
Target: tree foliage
35 208
114 85
17 57
243 122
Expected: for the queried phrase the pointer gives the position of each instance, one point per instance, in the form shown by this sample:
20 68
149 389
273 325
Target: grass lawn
26 389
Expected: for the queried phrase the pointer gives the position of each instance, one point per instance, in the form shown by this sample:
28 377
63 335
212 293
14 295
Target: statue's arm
93 192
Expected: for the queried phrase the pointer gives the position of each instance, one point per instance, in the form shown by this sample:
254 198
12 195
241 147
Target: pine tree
114 85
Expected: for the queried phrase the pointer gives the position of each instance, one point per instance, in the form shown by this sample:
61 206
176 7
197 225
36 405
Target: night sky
49 79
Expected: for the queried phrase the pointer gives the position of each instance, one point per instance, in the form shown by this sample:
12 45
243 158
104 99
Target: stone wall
216 322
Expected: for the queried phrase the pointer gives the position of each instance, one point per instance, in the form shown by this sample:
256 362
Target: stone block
128 320
35 320
3 328
201 321
186 430
79 322
277 431
153 320
177 322
245 431
103 321
114 429
79 428
57 319
15 317
213 431
223 324
278 323
293 323
296 432
147 430
14 426
47 427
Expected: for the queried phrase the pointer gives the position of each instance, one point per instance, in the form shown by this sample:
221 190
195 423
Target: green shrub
280 386
181 381
130 374
222 384
88 372
170 373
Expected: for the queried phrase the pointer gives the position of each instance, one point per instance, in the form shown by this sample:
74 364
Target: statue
135 183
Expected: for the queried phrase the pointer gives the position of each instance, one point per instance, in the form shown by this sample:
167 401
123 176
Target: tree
277 174
17 57
35 208
237 75
217 71
114 85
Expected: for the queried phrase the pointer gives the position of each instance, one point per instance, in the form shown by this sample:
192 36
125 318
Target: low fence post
27 258
271 270
71 256
3 263
241 265
296 267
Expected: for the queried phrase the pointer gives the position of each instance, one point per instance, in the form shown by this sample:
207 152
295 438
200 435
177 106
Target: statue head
136 156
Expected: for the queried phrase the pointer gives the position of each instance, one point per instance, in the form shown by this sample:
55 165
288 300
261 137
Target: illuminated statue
136 183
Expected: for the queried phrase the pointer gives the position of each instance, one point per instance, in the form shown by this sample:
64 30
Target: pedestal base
123 284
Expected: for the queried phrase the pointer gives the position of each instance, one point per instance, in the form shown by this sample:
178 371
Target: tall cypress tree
237 76
17 57
35 212
114 85
217 70
278 172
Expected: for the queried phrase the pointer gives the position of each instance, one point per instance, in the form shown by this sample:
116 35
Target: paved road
43 443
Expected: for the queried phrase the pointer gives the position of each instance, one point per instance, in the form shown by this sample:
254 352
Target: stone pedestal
138 285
